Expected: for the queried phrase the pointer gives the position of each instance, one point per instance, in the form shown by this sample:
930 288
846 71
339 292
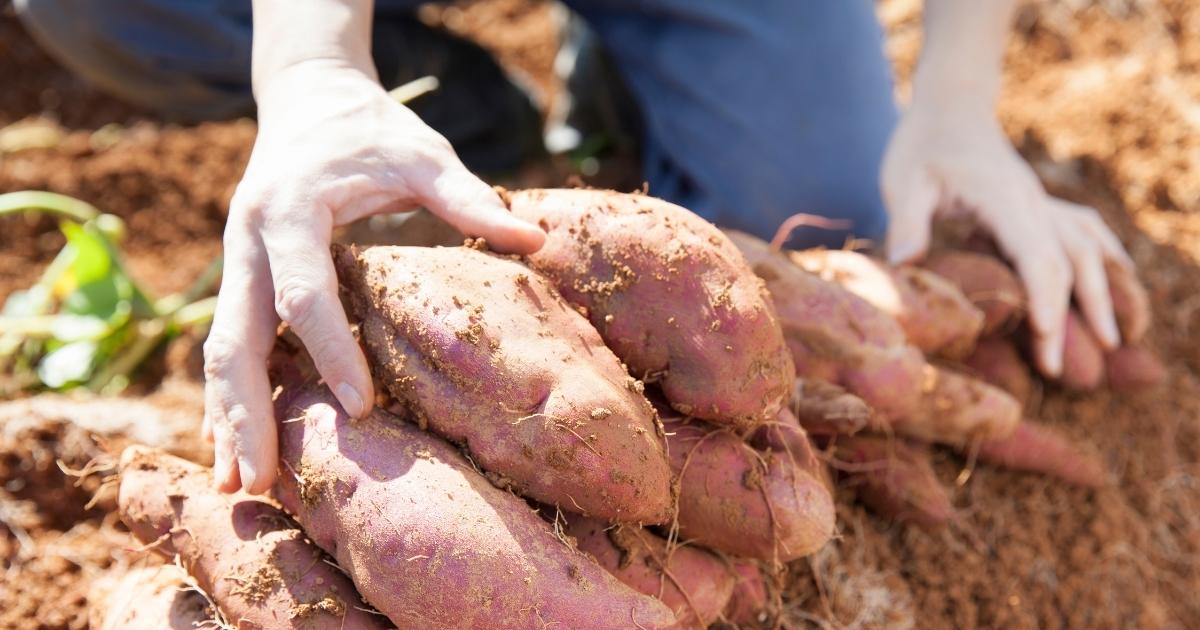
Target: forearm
332 33
963 50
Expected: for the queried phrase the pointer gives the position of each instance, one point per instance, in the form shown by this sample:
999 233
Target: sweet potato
1133 367
997 361
894 478
985 280
825 408
1041 449
485 353
245 553
763 504
1083 358
425 537
750 598
695 584
146 598
836 336
956 409
670 295
936 317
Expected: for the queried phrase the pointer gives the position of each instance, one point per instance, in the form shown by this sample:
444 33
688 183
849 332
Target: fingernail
1111 336
1053 360
351 401
249 473
220 469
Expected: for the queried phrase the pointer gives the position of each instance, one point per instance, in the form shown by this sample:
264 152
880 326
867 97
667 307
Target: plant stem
54 203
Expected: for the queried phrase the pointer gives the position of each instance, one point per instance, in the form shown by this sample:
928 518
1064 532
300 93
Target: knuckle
296 301
220 353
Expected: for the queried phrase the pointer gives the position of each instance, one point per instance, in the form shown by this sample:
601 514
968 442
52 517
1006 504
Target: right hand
332 148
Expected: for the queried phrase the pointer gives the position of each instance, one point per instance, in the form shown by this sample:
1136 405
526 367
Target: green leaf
70 364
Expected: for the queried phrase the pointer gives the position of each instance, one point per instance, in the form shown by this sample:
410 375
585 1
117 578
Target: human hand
332 148
950 154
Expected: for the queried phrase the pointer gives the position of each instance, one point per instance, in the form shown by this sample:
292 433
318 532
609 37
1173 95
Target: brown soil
1102 100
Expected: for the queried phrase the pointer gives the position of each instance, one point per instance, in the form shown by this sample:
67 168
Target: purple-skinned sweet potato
894 478
771 505
1041 449
750 598
670 295
997 361
1083 357
838 337
425 537
255 564
936 317
985 280
1133 367
956 409
1131 303
825 408
695 584
485 353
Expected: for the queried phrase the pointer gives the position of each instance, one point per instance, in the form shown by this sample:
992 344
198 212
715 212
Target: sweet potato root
750 598
486 354
1133 367
1041 449
244 552
425 537
146 598
771 505
1083 358
936 317
894 478
827 409
997 361
695 584
670 295
956 409
836 336
987 281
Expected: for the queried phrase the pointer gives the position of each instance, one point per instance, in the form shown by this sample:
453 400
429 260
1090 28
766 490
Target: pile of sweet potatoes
627 429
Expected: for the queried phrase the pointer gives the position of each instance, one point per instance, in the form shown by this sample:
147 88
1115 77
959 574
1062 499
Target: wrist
309 79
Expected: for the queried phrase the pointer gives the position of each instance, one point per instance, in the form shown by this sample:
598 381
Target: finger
474 208
1095 226
237 392
297 245
911 202
1091 288
206 432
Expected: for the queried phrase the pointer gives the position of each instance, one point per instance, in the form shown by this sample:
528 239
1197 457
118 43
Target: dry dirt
1103 97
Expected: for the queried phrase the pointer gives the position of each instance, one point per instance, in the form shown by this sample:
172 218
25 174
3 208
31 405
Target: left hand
947 153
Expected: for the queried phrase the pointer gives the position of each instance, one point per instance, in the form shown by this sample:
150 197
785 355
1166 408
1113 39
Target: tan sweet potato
894 478
985 280
245 553
1041 449
997 361
695 584
150 597
1083 358
836 336
957 409
485 353
936 317
1133 367
771 505
670 295
425 537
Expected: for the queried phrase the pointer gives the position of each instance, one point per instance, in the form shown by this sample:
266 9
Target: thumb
911 202
475 209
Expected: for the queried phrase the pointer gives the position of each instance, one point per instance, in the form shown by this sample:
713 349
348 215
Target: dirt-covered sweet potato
1133 367
997 361
695 584
670 295
751 597
771 505
936 317
825 408
485 353
894 478
250 558
956 409
985 280
425 537
836 336
153 597
1040 449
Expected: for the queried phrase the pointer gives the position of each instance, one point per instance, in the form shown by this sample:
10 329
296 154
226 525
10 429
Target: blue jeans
752 110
